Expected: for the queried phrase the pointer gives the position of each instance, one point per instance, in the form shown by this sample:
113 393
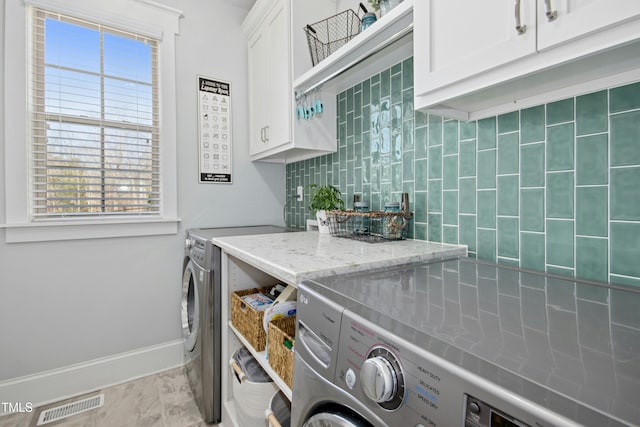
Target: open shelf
261 357
394 25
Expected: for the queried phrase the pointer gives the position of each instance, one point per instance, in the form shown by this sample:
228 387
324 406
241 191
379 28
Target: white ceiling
244 4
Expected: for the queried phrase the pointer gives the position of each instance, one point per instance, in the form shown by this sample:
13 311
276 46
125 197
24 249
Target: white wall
64 303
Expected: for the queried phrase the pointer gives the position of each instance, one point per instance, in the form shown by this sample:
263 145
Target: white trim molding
60 230
59 384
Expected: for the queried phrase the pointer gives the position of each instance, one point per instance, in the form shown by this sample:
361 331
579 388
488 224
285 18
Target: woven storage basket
280 357
247 320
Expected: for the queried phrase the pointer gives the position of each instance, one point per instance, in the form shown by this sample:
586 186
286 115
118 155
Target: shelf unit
261 357
365 54
238 275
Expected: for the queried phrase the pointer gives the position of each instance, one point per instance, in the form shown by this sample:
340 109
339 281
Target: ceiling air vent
73 408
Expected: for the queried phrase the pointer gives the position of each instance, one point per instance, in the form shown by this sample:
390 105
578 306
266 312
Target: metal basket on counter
373 227
326 36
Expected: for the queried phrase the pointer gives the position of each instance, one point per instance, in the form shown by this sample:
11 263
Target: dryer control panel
195 249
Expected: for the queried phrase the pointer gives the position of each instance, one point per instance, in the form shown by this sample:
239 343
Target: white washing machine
465 343
201 314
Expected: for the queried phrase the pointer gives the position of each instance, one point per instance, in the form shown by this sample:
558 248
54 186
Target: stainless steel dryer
465 343
201 311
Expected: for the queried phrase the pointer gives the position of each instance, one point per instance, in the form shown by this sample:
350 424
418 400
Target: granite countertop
291 257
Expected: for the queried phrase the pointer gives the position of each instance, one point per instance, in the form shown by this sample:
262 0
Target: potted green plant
324 198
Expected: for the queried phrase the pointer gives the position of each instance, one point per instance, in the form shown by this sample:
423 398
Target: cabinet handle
266 133
551 14
520 29
262 134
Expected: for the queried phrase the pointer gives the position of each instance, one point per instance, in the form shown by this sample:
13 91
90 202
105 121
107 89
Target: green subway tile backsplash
487 135
624 98
508 197
450 208
560 111
625 128
560 239
487 169
592 258
532 251
450 172
591 211
560 190
467 231
625 194
552 187
467 190
508 122
435 162
450 137
624 248
592 113
560 147
508 241
508 153
532 124
487 208
532 209
467 159
592 160
532 165
486 244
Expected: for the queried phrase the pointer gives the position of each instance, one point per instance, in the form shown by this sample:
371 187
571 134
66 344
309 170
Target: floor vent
73 408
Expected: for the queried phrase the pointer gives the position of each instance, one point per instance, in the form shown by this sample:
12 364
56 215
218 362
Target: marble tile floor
160 400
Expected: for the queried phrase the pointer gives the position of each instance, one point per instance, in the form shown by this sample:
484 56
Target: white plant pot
323 222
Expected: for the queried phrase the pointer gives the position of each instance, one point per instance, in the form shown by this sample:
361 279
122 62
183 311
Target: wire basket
326 36
372 227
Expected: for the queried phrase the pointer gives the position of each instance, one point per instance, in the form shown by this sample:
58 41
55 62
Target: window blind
94 120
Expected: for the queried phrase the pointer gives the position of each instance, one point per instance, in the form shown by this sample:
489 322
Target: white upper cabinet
258 94
561 21
463 38
478 59
275 42
270 80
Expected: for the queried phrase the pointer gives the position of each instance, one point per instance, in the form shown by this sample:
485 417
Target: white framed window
98 133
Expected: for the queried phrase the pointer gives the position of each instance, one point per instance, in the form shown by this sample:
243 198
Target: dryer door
335 419
190 312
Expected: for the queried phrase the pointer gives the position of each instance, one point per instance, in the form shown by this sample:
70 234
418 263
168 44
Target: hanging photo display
214 124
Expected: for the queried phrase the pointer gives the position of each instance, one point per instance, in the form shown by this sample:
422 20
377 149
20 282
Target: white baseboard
58 384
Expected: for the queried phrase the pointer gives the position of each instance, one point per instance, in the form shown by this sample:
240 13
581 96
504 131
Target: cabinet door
577 18
279 75
457 39
258 93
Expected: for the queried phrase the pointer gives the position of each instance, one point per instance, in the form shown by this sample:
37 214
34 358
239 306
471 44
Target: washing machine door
190 312
335 419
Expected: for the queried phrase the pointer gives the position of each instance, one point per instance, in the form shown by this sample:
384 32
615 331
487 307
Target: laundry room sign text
214 130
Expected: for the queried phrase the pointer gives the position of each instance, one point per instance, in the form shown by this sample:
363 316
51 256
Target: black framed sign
214 129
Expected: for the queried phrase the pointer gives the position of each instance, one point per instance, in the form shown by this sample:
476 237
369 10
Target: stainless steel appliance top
210 233
568 345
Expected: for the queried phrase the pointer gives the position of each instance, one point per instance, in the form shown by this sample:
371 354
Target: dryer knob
188 243
379 380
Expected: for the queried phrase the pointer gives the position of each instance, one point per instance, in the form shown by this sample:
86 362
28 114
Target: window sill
88 229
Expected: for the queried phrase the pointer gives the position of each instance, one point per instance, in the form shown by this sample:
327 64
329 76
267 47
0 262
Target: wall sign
214 125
